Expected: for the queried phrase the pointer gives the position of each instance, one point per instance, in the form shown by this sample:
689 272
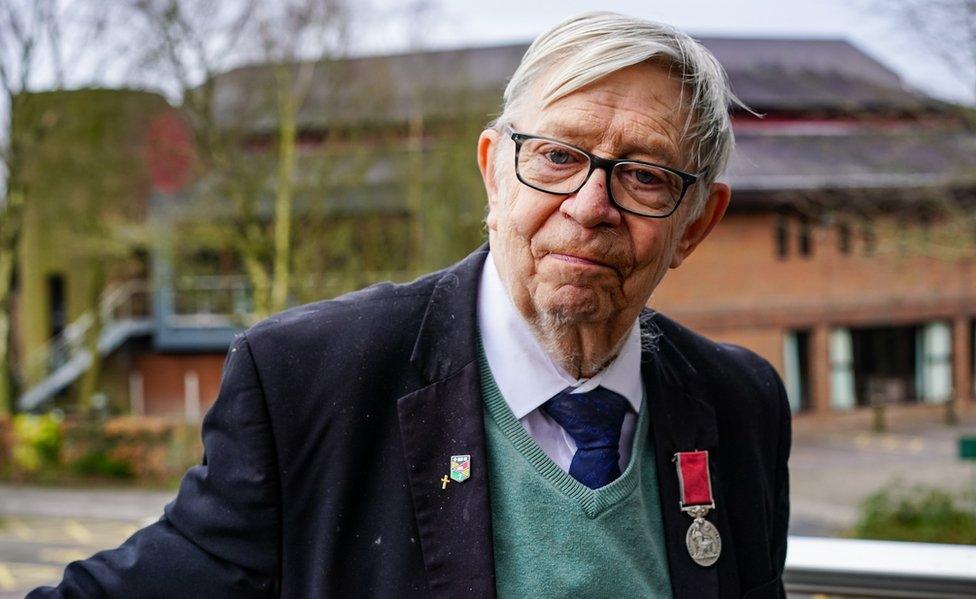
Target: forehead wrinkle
623 137
636 140
608 119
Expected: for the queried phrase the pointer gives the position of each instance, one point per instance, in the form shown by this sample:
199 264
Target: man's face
577 258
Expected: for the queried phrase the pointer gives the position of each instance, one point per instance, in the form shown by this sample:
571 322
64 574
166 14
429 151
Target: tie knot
593 418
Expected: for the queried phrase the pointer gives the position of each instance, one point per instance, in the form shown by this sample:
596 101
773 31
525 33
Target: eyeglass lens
558 168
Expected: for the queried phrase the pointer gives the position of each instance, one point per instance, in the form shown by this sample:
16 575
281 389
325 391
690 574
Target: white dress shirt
527 377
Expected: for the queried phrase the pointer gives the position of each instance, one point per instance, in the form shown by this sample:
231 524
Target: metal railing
128 301
207 301
123 312
222 300
883 569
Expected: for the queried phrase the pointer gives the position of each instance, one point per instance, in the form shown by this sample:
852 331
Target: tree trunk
88 384
284 194
415 193
6 374
11 216
259 283
248 242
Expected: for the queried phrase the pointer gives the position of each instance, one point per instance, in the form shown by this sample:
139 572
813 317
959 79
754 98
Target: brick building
846 258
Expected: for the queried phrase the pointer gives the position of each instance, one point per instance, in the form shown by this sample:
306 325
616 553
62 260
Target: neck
581 349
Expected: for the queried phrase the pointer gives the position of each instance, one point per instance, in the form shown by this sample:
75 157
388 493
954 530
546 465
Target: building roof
861 139
379 89
862 157
811 74
770 75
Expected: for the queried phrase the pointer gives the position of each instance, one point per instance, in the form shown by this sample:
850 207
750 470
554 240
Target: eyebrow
579 134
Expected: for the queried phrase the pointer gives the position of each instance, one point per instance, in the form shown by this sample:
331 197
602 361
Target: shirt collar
525 374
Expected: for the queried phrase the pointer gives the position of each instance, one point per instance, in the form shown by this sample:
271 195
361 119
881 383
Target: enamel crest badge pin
460 468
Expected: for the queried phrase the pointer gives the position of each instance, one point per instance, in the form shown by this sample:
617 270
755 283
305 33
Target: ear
697 230
487 144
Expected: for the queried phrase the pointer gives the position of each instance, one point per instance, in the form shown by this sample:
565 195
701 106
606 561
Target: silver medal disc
704 543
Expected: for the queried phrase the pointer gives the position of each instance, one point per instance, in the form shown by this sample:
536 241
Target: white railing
124 312
125 302
860 568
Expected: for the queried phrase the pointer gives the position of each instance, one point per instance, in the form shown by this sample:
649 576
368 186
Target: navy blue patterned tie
593 419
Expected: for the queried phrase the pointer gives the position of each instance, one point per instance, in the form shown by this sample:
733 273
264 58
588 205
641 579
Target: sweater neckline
593 502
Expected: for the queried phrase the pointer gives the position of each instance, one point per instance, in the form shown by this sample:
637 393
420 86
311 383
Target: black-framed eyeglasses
643 188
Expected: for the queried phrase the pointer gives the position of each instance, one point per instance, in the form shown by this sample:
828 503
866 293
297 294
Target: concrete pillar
820 369
962 360
137 389
191 396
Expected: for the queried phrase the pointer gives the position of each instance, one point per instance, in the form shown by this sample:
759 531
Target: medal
695 484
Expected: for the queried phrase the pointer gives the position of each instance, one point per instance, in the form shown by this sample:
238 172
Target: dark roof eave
749 197
864 182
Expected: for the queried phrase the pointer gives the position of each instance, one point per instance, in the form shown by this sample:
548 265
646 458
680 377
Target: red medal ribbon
693 478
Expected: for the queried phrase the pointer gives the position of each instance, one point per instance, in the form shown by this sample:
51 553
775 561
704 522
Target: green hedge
918 513
44 449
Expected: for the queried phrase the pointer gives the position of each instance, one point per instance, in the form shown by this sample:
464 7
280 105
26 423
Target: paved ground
41 530
833 471
833 468
35 549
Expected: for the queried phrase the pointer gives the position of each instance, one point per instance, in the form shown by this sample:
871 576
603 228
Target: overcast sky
456 23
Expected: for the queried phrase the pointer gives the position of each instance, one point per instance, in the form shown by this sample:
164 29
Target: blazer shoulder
379 315
736 370
742 387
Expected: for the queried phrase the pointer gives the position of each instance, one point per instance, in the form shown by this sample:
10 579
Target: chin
571 304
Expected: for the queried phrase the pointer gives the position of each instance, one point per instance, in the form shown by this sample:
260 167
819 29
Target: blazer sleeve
220 536
781 517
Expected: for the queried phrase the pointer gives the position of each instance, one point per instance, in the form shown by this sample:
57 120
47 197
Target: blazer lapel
683 422
444 419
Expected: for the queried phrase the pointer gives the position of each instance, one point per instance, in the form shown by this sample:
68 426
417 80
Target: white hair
593 45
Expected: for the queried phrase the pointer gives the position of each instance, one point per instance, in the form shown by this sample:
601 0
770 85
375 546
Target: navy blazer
336 421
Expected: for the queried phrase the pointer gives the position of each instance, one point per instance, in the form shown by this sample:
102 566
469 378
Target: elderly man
519 424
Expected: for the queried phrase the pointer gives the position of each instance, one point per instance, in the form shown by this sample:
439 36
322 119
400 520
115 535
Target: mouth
583 261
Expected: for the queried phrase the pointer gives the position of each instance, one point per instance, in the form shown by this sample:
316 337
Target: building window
796 367
870 240
885 364
57 306
782 237
841 357
904 233
933 354
57 316
844 238
925 226
806 238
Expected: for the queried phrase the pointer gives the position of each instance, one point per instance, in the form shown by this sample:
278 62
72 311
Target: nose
591 205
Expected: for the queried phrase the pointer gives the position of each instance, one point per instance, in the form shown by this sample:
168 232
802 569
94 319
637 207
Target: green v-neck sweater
555 537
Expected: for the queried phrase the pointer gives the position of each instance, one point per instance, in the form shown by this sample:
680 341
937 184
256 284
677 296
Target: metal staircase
63 359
